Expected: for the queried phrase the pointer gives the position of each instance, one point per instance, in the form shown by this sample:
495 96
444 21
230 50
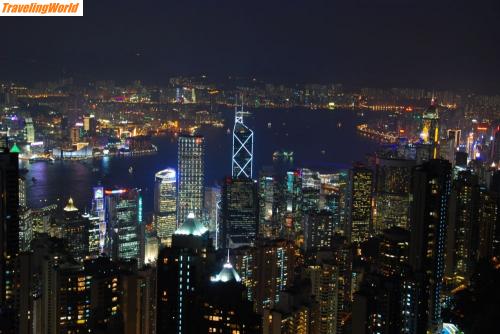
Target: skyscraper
240 211
359 205
165 198
124 218
29 130
9 223
76 231
183 271
98 222
463 224
430 128
242 158
392 192
318 230
431 186
191 176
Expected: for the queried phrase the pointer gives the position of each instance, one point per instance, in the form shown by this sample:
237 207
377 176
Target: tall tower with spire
242 158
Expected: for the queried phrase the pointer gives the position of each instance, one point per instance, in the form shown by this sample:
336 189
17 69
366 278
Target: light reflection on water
314 136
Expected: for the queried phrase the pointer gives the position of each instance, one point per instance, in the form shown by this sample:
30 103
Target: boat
130 169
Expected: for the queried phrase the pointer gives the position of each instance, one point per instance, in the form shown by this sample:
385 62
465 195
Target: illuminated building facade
183 271
431 183
240 212
430 128
89 124
225 307
268 207
76 231
359 199
242 158
275 263
461 253
191 177
124 219
98 232
73 299
29 130
165 204
265 269
296 312
380 306
318 230
487 224
9 223
324 277
392 193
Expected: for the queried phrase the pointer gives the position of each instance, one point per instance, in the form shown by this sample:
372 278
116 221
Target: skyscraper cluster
380 247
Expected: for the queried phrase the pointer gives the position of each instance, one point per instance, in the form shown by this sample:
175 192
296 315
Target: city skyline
319 167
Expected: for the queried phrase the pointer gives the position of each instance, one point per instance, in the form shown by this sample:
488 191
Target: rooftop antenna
228 255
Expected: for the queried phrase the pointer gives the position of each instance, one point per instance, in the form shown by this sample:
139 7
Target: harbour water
325 139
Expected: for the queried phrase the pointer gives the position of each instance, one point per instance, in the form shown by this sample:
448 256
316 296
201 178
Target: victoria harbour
274 129
250 167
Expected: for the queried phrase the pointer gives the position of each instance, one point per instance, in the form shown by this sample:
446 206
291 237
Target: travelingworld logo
41 7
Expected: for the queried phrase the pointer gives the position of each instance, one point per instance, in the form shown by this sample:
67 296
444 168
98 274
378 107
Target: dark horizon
359 43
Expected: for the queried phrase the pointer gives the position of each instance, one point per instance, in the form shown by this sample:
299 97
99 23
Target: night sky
430 44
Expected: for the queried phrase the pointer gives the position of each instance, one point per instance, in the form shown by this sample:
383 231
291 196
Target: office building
358 225
242 158
123 221
240 212
190 177
165 204
392 192
76 231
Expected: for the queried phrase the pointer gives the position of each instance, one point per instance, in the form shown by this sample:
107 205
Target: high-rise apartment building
431 187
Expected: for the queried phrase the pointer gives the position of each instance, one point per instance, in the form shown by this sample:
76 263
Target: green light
15 149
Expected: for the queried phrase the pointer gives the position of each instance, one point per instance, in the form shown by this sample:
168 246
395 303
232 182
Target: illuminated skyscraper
430 127
359 199
324 276
98 231
124 219
165 198
76 231
240 212
242 158
431 185
9 225
268 203
183 271
29 130
273 271
463 224
392 193
318 230
191 176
